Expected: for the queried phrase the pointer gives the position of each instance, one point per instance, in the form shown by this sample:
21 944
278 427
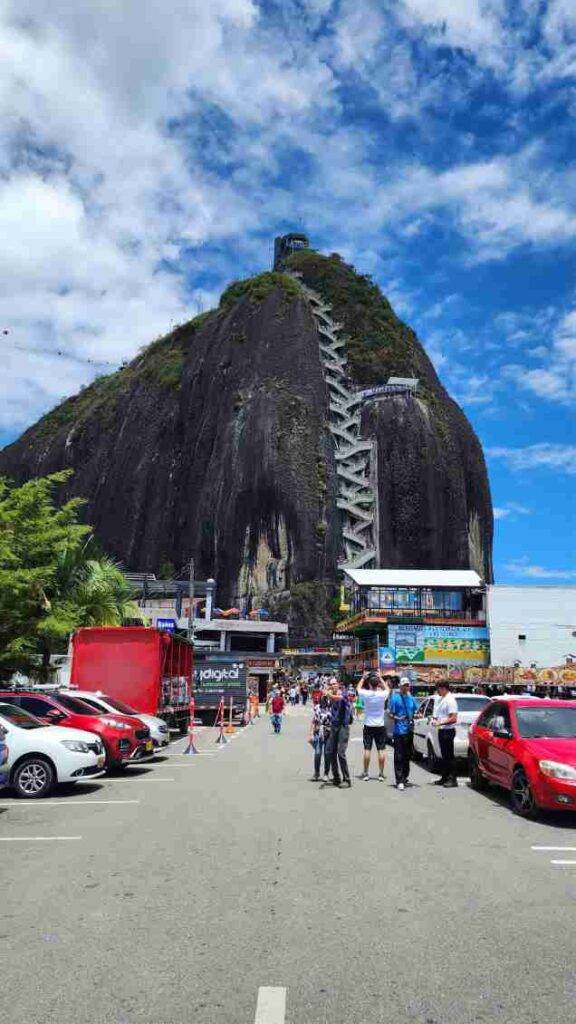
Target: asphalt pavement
229 889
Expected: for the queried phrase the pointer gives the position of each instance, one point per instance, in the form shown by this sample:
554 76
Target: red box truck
147 668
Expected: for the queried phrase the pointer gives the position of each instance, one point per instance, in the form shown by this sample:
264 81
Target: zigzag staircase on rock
355 455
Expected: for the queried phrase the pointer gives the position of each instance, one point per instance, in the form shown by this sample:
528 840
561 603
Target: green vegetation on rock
159 365
379 344
259 288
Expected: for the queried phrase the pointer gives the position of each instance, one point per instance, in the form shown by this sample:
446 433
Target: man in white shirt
445 718
374 692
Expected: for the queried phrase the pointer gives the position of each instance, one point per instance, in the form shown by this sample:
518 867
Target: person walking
341 718
445 718
277 708
402 710
304 693
319 738
373 693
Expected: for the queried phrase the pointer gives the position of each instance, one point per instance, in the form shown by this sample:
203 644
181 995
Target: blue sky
147 161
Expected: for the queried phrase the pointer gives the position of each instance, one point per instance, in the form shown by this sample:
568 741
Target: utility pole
191 597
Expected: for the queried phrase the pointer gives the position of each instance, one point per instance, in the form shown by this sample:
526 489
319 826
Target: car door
483 737
422 726
500 756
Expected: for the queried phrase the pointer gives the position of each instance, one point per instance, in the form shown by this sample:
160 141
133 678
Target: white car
40 756
159 731
426 743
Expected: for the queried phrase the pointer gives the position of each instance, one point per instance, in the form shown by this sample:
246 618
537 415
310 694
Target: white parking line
271 1006
564 863
555 849
37 839
61 803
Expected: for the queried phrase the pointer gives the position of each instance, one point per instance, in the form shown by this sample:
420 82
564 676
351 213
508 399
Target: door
483 737
422 726
499 749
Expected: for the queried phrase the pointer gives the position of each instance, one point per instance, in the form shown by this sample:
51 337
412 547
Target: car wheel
34 777
431 759
521 795
478 781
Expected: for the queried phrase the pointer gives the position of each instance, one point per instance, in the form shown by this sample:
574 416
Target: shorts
374 734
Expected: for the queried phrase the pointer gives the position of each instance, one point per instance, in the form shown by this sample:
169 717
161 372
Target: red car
528 746
125 739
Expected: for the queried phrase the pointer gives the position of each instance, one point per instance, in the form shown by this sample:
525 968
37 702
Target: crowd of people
334 707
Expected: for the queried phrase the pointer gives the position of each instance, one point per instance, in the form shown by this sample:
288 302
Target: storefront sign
386 657
440 645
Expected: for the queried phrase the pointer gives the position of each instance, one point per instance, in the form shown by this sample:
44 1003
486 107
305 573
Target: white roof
414 577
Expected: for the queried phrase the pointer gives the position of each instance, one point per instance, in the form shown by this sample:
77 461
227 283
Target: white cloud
522 567
510 510
558 457
99 188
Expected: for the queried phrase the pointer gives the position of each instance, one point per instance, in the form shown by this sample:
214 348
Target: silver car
159 731
426 742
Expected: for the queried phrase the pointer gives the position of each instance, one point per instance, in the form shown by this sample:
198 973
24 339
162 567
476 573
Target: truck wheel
33 778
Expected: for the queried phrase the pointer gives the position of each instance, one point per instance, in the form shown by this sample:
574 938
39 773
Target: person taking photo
373 693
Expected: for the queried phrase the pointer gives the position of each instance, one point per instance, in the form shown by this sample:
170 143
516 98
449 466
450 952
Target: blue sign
168 625
386 657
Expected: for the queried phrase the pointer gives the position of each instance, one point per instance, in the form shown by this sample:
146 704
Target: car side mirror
54 715
502 733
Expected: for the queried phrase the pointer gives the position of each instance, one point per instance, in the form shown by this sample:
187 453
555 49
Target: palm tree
87 588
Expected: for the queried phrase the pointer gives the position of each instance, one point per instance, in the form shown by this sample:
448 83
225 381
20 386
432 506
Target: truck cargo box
146 668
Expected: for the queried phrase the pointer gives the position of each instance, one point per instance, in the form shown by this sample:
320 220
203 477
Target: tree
52 576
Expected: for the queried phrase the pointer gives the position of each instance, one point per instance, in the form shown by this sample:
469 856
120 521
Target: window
559 722
74 704
20 718
472 703
488 716
36 706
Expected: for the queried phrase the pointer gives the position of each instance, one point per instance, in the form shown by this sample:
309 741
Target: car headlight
77 745
116 725
557 770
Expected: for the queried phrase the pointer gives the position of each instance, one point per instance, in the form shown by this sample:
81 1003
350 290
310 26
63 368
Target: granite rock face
214 442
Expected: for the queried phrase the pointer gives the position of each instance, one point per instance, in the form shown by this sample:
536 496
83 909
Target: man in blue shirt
402 709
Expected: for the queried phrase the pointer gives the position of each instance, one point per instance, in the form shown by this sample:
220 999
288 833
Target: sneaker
439 782
400 785
347 782
366 777
315 778
451 784
381 778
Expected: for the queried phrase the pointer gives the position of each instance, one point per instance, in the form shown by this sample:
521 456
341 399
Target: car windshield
557 723
76 706
19 717
472 703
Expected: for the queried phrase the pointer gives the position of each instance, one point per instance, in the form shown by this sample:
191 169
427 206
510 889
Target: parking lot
198 888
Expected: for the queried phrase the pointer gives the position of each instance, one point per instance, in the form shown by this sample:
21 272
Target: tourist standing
341 717
445 718
320 736
277 709
373 693
304 693
402 710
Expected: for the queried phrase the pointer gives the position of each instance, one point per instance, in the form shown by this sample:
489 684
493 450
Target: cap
404 681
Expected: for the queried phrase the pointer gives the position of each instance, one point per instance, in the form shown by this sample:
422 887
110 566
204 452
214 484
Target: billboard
219 677
440 645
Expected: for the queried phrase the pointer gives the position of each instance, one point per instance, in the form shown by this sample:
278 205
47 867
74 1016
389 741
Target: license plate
149 745
101 761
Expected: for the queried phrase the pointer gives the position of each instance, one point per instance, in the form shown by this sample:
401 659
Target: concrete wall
545 615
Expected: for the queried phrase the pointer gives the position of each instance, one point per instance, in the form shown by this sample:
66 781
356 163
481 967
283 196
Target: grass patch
258 288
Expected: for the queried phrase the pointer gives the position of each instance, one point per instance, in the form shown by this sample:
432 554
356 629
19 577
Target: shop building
433 621
532 626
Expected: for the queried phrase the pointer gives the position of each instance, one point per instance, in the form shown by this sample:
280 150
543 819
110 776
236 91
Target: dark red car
125 739
527 746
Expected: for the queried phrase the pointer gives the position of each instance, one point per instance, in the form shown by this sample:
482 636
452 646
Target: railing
422 613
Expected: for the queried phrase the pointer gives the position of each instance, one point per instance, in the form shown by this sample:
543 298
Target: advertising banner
440 645
386 657
215 678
